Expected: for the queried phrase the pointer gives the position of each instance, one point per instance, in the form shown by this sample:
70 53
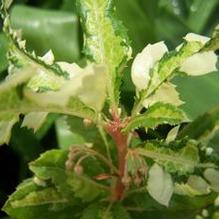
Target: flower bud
69 164
79 170
87 122
126 180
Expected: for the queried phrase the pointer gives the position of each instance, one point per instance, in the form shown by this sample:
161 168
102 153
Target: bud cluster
135 171
73 163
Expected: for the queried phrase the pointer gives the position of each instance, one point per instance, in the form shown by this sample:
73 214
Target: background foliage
51 23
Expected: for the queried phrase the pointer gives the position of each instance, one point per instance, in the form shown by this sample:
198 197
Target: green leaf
98 211
140 32
215 215
213 44
51 166
182 161
66 137
7 4
119 211
69 5
89 133
179 206
159 113
31 201
105 40
46 196
160 185
3 49
91 212
61 28
195 96
203 128
200 13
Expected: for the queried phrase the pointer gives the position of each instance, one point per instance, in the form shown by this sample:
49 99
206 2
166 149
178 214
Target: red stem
114 129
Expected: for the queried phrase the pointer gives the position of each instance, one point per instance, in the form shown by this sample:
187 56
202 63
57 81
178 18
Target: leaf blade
159 113
161 190
105 40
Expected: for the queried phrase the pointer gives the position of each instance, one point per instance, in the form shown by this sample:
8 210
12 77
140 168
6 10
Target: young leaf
184 56
160 185
105 40
168 65
167 93
200 64
182 161
159 113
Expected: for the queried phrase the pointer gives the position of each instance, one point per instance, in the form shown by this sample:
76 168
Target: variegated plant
109 172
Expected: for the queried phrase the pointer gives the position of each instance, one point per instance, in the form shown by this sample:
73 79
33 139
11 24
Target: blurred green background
54 24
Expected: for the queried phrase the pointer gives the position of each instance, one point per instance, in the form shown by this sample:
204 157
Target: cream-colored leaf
89 86
5 130
196 37
45 80
143 63
194 186
48 58
216 202
17 76
34 120
200 64
212 176
198 184
172 134
72 68
166 94
160 185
